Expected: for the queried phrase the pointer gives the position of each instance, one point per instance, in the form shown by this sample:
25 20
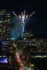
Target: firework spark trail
18 26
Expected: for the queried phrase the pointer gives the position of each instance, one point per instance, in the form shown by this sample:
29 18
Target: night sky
38 22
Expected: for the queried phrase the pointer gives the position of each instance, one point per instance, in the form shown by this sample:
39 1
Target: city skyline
39 25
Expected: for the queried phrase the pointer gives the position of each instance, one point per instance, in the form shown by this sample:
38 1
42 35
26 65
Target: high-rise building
5 25
1 23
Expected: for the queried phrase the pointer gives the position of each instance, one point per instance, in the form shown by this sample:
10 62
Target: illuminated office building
4 25
1 23
7 24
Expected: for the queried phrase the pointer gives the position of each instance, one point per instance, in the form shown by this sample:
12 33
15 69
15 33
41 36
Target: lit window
8 19
7 14
1 21
0 30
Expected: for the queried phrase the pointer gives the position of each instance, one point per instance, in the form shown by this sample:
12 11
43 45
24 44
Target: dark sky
39 25
23 4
